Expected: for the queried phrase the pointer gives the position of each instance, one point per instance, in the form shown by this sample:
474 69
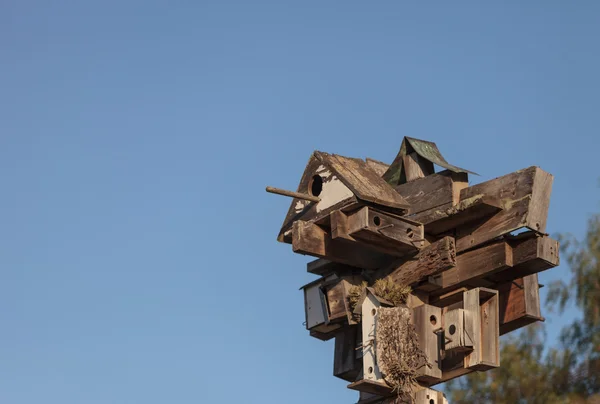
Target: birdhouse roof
363 181
425 149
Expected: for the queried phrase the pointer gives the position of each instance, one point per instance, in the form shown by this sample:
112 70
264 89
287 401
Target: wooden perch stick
292 194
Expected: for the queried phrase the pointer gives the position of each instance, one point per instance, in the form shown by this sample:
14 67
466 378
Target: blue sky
139 262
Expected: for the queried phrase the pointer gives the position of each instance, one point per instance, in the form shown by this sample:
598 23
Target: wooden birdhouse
326 304
472 329
415 160
468 256
331 182
372 379
316 308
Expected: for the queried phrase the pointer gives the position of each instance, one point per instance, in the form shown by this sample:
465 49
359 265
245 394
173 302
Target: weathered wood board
386 233
490 209
416 167
519 304
427 319
435 190
431 260
347 361
525 198
310 239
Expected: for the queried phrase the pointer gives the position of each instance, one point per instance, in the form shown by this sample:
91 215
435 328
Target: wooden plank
364 182
325 267
473 327
482 304
310 239
416 167
473 265
391 234
431 260
519 304
378 166
531 254
466 211
435 190
347 363
372 387
449 298
490 332
531 288
427 319
524 196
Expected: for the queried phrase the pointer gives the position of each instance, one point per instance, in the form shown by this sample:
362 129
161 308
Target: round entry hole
377 220
433 320
452 329
370 369
316 185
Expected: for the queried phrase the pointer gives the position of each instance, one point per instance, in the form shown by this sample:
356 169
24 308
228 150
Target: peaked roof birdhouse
331 182
415 160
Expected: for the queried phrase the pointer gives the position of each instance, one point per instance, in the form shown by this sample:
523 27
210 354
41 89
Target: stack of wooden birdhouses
419 273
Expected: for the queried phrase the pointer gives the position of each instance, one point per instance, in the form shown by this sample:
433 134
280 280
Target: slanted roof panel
425 149
363 181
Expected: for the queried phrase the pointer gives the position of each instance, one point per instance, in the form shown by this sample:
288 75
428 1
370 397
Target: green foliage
569 373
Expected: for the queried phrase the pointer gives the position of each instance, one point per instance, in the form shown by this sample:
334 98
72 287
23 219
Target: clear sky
139 261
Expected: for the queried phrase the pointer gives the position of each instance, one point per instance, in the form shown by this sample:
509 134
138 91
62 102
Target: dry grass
354 294
387 289
398 352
